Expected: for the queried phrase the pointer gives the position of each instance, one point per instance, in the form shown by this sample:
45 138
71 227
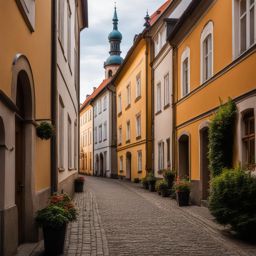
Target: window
120 135
69 144
61 133
185 72
95 135
69 35
138 125
249 137
128 131
99 106
161 155
95 110
90 137
121 163
166 90
128 97
158 97
139 154
138 86
119 104
168 145
85 138
100 133
105 103
207 52
90 161
61 8
105 131
246 24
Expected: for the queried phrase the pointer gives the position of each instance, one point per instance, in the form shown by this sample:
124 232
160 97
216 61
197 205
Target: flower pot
182 198
54 239
170 182
164 193
151 186
79 186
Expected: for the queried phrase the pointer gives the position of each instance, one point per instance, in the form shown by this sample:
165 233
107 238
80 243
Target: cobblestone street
120 218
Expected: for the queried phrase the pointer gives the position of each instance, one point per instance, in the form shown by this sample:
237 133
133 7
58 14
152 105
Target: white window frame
105 131
128 92
139 159
138 85
100 133
105 103
128 130
207 31
160 155
120 135
138 125
121 163
119 103
158 97
61 133
185 55
70 162
167 89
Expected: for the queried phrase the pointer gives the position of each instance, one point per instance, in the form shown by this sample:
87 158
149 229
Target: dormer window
110 73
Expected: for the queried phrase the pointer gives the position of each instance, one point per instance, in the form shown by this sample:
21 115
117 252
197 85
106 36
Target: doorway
184 165
128 165
101 164
204 162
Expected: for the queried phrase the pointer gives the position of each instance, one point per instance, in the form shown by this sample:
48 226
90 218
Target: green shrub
221 138
151 178
232 201
182 185
169 176
158 183
144 182
45 130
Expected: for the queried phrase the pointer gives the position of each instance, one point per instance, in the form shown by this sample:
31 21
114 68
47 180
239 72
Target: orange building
214 58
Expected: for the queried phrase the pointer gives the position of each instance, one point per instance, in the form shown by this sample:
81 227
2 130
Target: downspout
147 116
54 178
78 103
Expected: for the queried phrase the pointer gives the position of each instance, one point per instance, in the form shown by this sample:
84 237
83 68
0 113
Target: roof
97 91
154 17
84 4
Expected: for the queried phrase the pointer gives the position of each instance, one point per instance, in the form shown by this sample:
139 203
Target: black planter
164 193
54 240
79 186
170 182
182 198
151 186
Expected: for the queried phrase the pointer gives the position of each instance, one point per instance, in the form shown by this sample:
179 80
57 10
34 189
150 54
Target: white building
68 36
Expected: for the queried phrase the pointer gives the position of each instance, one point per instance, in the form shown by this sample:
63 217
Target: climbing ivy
221 137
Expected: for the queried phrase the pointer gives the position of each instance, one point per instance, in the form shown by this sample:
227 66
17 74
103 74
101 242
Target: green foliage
221 138
60 210
169 176
182 185
45 131
151 179
232 201
144 182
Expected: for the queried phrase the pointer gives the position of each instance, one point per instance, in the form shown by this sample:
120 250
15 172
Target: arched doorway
101 164
97 163
25 136
204 162
128 165
184 166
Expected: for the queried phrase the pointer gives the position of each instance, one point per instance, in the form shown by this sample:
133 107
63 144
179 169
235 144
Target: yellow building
214 57
86 137
133 94
25 101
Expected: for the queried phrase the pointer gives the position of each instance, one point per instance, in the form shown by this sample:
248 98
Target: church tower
114 60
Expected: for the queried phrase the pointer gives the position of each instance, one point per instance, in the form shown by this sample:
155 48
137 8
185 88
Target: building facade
25 101
69 23
86 138
214 59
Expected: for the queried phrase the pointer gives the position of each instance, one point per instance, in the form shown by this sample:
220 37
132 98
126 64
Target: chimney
94 88
87 96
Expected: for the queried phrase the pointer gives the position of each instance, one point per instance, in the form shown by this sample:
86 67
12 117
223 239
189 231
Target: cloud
94 40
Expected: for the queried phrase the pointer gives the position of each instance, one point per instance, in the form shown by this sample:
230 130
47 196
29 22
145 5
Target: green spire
115 20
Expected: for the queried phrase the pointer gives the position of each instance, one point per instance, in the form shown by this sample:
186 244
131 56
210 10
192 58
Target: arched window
206 45
249 138
110 73
185 72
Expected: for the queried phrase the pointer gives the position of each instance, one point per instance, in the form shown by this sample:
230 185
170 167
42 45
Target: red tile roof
154 17
103 84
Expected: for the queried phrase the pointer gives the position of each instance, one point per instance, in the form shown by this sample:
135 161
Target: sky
94 40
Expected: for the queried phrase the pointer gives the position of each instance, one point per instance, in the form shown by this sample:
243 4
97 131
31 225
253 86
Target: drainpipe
78 102
54 178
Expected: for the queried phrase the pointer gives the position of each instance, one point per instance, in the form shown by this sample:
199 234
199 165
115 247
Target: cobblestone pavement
120 218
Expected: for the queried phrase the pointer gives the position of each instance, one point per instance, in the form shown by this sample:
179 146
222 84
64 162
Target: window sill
158 112
105 140
138 137
119 144
119 114
128 106
166 106
121 171
139 172
128 141
138 98
71 169
61 169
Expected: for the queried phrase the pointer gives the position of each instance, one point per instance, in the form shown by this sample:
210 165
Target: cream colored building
86 137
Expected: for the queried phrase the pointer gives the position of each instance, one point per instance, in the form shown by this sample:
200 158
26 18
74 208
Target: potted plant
144 182
151 182
163 188
45 130
53 219
169 176
79 184
182 189
157 186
